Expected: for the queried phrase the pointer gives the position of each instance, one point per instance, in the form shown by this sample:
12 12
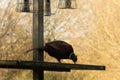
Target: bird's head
73 57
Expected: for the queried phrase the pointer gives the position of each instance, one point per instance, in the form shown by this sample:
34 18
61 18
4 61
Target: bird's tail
38 49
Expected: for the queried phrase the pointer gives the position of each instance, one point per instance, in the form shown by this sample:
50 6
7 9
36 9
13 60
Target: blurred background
92 29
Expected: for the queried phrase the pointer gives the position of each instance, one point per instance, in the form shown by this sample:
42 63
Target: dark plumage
59 50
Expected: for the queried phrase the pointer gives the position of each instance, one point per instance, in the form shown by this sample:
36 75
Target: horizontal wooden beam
49 66
29 65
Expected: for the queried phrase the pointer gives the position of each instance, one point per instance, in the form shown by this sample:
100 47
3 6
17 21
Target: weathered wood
49 66
38 28
28 65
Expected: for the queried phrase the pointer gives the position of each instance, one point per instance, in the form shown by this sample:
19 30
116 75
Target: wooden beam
30 65
49 66
73 66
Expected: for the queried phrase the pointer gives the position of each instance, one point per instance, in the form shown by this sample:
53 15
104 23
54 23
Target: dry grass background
93 30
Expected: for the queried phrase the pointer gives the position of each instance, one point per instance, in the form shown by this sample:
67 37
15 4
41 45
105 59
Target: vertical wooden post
38 23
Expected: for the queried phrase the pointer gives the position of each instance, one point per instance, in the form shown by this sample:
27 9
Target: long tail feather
34 49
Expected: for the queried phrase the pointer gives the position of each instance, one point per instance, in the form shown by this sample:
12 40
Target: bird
58 49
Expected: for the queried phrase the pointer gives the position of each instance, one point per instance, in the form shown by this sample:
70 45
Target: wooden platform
49 66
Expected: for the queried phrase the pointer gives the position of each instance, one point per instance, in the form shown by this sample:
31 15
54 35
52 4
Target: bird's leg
59 61
74 62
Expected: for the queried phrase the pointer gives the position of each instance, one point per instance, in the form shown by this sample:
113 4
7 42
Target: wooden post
38 23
